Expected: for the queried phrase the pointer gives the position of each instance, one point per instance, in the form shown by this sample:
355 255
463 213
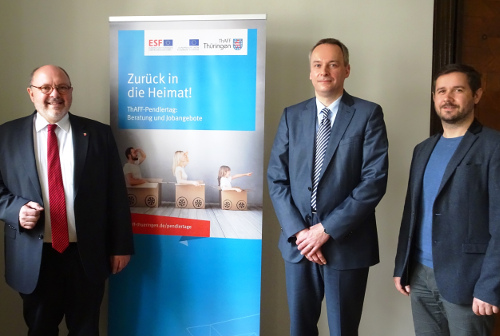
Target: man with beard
448 257
64 203
131 169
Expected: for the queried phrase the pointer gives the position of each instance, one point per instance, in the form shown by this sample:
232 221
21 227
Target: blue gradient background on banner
188 286
223 88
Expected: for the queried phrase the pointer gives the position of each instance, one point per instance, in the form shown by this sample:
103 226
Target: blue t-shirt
434 171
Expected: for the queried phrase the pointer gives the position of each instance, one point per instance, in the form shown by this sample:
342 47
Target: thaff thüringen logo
238 43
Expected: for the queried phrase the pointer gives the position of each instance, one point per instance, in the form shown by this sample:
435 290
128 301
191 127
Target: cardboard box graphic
190 196
233 200
144 195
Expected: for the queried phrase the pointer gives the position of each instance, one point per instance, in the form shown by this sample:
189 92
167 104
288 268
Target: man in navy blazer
70 284
328 249
448 257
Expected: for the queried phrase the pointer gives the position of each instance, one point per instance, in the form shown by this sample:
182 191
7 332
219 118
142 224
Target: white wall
391 49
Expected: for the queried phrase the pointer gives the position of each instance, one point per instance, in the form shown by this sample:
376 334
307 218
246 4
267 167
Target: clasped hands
309 242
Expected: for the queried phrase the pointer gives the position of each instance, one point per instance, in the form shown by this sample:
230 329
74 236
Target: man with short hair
448 257
64 203
327 173
131 169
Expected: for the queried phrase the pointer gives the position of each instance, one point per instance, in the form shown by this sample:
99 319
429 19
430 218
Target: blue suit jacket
352 181
466 223
101 207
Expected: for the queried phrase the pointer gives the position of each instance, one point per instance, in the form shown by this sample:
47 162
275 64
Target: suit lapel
80 145
419 164
308 120
342 121
26 143
462 149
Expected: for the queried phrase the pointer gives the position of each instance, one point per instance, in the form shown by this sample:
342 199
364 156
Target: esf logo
160 43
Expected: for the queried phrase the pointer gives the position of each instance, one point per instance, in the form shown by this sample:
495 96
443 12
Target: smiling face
454 100
52 106
328 72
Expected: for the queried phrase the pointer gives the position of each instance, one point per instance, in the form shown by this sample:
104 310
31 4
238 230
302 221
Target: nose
55 93
323 69
448 96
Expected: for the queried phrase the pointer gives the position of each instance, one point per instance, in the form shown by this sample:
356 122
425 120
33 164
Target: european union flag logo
194 42
168 43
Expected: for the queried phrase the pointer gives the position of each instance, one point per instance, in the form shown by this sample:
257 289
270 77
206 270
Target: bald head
51 92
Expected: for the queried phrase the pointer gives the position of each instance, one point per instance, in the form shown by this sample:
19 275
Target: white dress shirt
66 156
334 108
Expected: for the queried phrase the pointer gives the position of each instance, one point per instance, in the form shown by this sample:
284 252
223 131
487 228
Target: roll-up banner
187 111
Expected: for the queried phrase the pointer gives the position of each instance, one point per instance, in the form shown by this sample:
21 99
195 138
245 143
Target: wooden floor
223 223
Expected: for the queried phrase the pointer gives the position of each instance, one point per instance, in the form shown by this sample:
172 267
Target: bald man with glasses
64 203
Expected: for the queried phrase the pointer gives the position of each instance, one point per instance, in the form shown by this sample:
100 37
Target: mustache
54 100
448 105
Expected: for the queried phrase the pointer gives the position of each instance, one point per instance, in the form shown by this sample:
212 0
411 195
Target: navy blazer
466 221
102 214
352 181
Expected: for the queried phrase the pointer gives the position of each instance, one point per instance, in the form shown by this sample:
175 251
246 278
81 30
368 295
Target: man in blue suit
65 281
448 257
324 191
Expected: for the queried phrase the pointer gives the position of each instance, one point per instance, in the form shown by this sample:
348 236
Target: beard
456 115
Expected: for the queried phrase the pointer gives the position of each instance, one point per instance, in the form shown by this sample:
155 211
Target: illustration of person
180 161
225 178
132 169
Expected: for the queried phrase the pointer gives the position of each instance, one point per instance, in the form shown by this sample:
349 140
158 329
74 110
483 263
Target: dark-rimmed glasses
47 89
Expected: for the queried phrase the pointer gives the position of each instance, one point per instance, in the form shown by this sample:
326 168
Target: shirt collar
333 107
41 122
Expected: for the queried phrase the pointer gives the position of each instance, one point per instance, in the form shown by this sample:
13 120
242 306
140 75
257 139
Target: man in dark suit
327 210
68 282
449 243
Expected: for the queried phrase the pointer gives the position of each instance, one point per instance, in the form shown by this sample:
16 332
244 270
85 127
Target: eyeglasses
47 89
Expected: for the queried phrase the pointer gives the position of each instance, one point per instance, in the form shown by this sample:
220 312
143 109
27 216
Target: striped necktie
322 137
57 202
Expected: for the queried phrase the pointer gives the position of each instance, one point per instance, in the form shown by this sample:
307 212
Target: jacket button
40 236
309 188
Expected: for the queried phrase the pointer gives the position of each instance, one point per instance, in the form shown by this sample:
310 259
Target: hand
317 257
118 262
309 242
29 215
483 308
403 290
301 236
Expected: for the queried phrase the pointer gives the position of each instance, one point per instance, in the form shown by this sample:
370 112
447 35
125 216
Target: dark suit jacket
102 214
466 224
352 181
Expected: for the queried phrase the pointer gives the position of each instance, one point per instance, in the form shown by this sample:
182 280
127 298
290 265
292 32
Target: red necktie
58 219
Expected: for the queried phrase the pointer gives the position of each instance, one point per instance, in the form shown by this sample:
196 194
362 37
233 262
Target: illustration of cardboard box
144 195
190 196
233 200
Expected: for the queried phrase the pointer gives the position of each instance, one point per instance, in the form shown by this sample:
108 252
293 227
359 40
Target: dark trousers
344 290
434 316
63 290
